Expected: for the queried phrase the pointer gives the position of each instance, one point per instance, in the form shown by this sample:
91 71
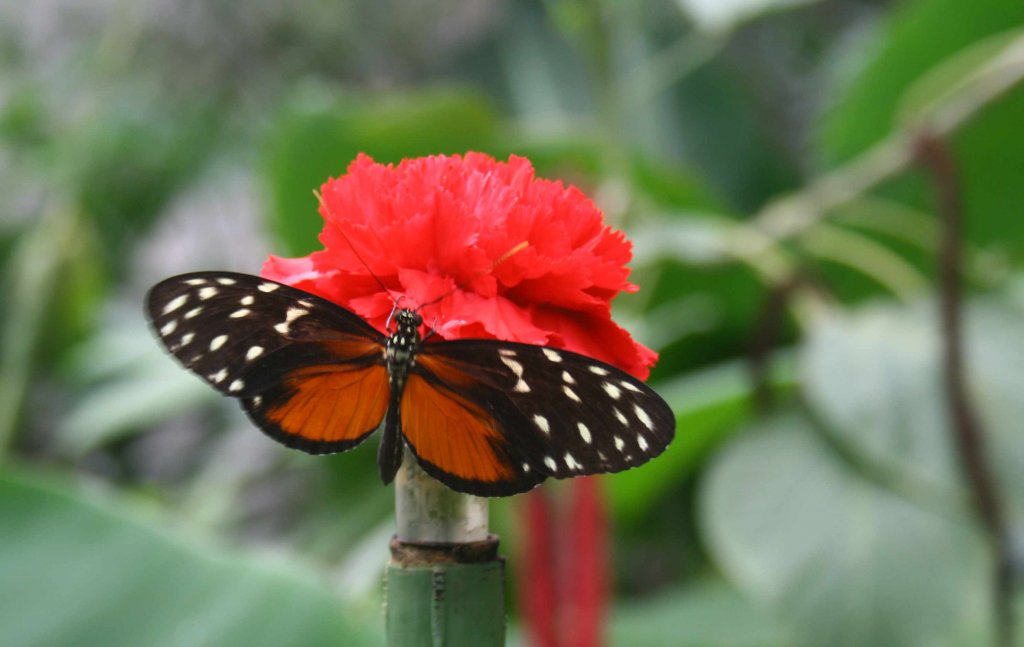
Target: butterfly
484 417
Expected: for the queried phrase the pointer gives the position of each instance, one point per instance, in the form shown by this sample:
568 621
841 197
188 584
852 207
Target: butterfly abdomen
400 356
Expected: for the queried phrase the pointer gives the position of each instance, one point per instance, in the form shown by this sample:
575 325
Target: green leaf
128 386
708 613
921 55
843 561
949 77
875 377
77 572
918 36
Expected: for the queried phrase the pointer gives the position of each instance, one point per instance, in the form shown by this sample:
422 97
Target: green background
140 140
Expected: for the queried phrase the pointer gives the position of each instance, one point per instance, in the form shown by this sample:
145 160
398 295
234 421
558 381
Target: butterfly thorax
400 349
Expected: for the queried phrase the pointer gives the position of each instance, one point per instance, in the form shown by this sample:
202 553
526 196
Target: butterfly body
483 416
400 356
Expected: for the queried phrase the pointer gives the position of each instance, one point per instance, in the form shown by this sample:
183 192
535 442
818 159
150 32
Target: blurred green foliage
138 140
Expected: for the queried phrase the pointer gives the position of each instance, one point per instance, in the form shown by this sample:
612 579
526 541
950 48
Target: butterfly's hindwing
322 412
459 440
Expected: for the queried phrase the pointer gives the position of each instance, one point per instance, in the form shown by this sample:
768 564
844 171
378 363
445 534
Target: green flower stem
445 581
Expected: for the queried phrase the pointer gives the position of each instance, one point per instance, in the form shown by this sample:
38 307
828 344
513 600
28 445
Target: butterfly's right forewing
515 414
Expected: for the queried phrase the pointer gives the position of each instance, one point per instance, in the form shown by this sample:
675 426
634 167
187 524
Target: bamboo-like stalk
445 581
426 511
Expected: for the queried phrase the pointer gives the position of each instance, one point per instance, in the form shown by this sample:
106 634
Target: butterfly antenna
504 257
376 278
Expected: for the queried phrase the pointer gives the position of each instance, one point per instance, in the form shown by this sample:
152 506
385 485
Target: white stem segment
427 511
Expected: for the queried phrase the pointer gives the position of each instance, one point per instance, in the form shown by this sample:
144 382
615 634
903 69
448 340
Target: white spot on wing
195 281
550 462
570 393
238 314
643 417
526 467
506 352
219 376
226 281
521 386
207 292
237 385
584 432
247 300
621 416
175 303
551 354
567 378
193 312
187 338
598 370
169 327
629 386
257 401
619 443
290 316
542 423
253 353
640 440
294 313
570 462
516 367
268 287
613 391
218 341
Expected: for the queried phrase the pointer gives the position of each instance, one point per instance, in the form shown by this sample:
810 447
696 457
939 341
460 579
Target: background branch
968 437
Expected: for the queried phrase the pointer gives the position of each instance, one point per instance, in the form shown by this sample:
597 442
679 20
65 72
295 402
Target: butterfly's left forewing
534 412
309 373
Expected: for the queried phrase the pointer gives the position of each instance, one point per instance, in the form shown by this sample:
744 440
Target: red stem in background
564 572
537 590
585 586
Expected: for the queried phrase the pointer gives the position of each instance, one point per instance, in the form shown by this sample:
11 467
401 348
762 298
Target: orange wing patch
326 405
452 433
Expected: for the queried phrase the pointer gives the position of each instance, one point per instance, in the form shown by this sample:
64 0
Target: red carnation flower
440 233
437 226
